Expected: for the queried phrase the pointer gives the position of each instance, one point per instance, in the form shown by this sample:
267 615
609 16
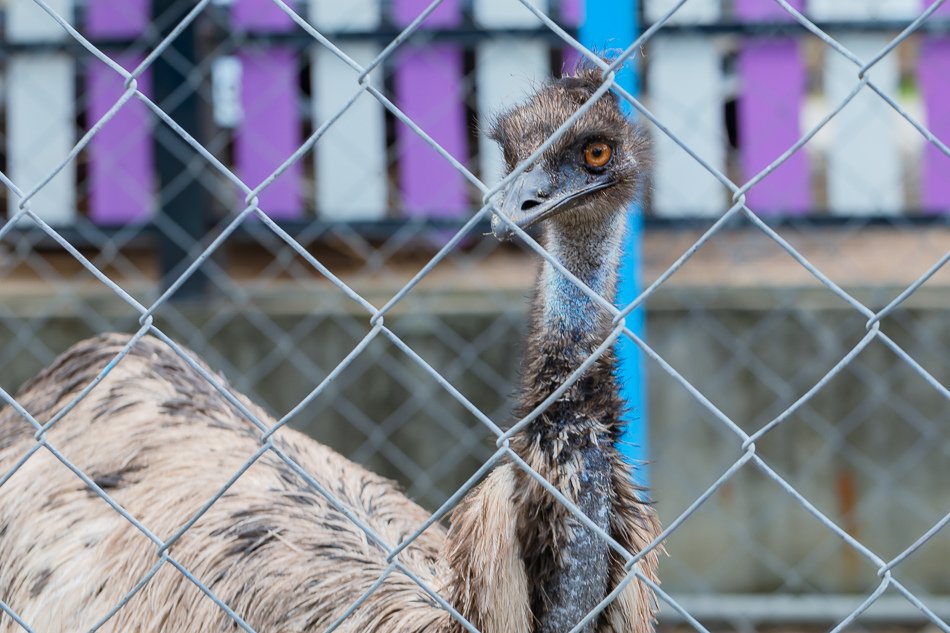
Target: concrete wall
870 450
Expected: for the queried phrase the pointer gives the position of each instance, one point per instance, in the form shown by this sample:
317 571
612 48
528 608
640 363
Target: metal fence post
182 199
608 25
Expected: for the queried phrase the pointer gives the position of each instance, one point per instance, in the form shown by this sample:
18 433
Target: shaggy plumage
574 443
161 441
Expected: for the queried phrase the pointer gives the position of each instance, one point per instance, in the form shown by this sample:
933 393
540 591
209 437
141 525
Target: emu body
161 441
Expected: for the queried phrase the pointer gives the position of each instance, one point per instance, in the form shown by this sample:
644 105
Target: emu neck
572 444
567 325
592 255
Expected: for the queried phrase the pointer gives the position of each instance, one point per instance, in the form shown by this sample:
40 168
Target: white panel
694 11
506 13
864 160
26 21
686 95
226 73
345 15
41 131
506 72
40 111
863 9
351 157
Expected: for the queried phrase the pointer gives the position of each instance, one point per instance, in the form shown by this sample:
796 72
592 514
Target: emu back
161 441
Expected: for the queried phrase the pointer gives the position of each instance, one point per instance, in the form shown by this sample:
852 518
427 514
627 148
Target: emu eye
597 154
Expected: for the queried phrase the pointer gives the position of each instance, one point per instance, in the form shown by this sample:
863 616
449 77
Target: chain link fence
781 497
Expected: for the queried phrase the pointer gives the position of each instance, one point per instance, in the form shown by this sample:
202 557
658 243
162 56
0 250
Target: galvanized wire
745 443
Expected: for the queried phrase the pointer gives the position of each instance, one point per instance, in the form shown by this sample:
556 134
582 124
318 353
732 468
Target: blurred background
866 200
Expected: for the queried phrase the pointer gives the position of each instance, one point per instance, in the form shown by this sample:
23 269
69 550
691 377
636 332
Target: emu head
587 176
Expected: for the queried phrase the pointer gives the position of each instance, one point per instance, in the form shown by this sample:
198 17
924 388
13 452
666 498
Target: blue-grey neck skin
593 256
570 317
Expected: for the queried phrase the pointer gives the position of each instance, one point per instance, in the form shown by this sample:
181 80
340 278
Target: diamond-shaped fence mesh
297 192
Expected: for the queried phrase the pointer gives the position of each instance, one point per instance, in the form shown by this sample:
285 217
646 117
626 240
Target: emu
161 441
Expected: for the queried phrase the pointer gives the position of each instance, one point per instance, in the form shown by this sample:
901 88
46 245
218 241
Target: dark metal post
183 201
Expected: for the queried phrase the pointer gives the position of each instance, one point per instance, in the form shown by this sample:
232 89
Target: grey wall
870 450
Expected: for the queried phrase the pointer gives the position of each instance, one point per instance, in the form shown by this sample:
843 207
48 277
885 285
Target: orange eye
597 154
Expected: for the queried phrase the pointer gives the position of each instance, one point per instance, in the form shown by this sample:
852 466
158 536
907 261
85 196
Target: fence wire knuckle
367 83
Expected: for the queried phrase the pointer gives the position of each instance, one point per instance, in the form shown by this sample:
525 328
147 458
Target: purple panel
108 18
121 172
572 12
429 90
270 131
772 76
942 11
569 59
935 87
261 15
767 11
428 84
446 14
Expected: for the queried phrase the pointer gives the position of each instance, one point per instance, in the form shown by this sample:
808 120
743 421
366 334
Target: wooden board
865 172
262 15
935 90
693 12
686 94
772 80
27 22
850 10
270 130
572 12
121 185
351 158
126 19
41 112
121 181
429 89
498 14
754 10
506 71
334 16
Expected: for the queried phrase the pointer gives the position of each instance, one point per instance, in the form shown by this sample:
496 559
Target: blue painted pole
612 24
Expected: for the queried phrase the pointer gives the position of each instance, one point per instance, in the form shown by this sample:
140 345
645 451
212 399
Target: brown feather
165 441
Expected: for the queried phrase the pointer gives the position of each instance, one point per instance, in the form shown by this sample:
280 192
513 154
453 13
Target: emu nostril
529 204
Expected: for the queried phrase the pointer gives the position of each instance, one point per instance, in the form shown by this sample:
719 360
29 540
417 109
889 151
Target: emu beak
535 196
